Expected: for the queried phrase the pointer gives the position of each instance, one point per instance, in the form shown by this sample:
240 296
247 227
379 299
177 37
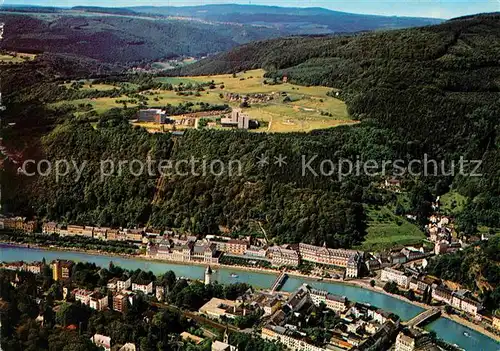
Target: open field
386 230
17 57
305 109
252 82
100 105
88 85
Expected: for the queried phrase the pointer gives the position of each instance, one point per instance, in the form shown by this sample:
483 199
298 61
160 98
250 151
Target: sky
415 8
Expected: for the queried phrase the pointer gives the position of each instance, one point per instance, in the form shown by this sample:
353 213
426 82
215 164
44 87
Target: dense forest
431 90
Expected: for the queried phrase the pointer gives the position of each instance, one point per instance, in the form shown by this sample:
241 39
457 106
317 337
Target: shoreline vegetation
360 283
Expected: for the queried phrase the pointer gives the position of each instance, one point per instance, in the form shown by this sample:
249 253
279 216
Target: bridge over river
423 318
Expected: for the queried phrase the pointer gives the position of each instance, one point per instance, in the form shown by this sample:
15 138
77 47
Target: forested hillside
431 90
122 39
131 35
436 88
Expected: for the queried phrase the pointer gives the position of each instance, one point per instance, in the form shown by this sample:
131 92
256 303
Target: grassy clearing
88 85
310 108
386 230
99 105
452 203
16 57
177 80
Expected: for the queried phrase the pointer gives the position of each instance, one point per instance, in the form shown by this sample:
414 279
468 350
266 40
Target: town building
77 230
160 293
191 338
134 235
120 303
271 305
206 253
35 267
398 258
413 340
440 293
14 266
465 304
238 119
281 257
82 295
255 251
61 269
353 266
98 301
14 223
444 247
326 256
217 308
286 337
102 341
393 275
333 302
208 276
111 285
100 233
496 320
50 228
152 115
123 284
222 346
128 347
113 235
145 287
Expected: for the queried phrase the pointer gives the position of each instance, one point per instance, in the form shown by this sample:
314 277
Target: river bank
468 324
302 278
450 331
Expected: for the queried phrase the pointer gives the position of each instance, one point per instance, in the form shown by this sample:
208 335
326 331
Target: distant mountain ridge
294 20
128 35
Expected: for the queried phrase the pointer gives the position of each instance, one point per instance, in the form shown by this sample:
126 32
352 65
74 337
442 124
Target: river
446 329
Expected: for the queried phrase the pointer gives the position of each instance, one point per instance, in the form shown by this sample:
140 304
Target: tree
410 295
391 287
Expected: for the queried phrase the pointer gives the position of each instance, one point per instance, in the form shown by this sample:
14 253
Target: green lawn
386 230
452 203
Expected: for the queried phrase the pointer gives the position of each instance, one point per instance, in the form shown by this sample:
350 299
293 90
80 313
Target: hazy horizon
413 8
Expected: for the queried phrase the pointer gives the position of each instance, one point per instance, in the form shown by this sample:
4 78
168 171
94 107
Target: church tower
208 276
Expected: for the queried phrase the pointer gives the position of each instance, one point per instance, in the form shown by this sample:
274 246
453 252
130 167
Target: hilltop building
152 115
238 120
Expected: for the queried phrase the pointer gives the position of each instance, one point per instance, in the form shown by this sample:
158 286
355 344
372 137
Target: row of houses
457 299
18 223
189 248
209 250
101 233
34 267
